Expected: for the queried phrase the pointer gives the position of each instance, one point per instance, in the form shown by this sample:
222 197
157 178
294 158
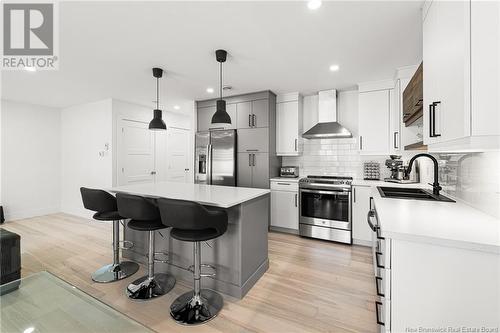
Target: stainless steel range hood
327 126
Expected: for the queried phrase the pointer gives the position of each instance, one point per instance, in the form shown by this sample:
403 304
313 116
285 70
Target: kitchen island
240 256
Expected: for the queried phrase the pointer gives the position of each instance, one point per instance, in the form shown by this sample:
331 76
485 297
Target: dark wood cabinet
413 98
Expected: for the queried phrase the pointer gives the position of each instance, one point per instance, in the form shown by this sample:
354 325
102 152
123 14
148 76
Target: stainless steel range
325 208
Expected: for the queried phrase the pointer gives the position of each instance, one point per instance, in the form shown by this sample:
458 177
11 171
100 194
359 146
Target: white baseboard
28 213
362 242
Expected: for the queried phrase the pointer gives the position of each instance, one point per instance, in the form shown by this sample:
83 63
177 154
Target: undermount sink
410 193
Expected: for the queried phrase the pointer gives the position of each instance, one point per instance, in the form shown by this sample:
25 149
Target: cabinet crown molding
375 85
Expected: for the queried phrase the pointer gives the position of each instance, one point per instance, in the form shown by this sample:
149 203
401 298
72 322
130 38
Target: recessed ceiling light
334 68
30 69
210 90
313 4
29 330
176 107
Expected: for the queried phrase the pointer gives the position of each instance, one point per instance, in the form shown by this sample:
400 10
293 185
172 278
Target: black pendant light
221 116
157 124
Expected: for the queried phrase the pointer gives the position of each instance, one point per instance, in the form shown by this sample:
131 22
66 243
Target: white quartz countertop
209 195
442 223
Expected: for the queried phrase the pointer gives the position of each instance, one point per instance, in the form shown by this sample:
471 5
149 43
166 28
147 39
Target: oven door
325 208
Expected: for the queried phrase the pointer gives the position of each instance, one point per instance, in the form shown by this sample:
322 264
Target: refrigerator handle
209 164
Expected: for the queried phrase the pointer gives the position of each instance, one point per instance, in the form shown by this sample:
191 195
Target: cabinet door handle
296 200
377 303
434 118
354 194
377 279
254 120
360 142
295 144
395 140
253 159
249 120
431 106
249 160
252 150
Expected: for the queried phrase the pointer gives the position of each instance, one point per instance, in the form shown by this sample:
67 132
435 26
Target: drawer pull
377 254
283 183
377 279
377 303
378 234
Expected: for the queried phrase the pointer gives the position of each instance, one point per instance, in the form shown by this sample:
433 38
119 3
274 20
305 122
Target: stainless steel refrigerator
215 157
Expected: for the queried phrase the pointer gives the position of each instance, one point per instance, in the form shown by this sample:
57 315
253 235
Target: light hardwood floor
311 286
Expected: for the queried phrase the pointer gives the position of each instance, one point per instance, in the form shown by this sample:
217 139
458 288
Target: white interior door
136 153
178 161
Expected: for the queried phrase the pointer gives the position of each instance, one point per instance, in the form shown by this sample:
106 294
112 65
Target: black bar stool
192 222
145 216
104 204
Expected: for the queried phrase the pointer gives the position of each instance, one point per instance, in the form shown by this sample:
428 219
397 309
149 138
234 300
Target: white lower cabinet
285 206
361 232
421 285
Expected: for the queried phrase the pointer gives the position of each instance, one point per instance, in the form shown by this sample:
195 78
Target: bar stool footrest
205 274
165 261
127 245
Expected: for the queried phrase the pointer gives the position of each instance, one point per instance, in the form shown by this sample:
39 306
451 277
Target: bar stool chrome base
115 272
146 288
190 310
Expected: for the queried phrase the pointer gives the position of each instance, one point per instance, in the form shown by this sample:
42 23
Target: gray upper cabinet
253 114
260 113
205 118
244 112
254 117
253 140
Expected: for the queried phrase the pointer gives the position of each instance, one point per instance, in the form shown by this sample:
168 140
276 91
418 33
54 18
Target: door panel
244 175
244 112
260 111
223 157
253 140
135 158
260 172
177 155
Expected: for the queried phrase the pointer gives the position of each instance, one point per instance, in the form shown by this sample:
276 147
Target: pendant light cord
220 73
157 93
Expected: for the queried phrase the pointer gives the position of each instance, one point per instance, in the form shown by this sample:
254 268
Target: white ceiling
107 49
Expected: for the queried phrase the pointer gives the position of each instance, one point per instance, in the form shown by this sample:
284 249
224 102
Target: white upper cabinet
373 122
395 118
485 71
461 74
288 124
